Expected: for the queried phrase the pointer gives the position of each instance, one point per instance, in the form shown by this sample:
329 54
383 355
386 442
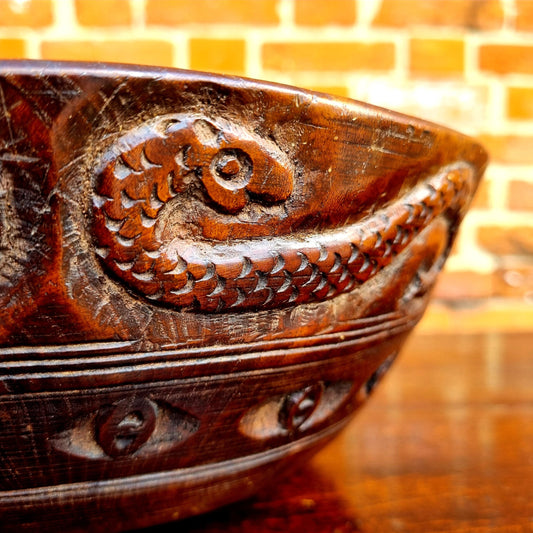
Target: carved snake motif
143 172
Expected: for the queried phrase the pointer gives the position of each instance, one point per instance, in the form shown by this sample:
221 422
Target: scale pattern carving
234 168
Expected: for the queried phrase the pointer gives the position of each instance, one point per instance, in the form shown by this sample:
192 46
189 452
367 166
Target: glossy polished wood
445 445
202 278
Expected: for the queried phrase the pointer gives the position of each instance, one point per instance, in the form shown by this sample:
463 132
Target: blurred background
467 64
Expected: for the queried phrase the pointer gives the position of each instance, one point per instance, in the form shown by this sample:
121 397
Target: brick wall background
467 64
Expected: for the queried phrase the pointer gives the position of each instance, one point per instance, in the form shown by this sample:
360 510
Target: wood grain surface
445 445
201 279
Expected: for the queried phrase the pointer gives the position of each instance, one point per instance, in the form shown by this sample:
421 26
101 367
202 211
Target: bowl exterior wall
201 280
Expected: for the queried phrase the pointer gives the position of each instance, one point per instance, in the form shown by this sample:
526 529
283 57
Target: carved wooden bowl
201 279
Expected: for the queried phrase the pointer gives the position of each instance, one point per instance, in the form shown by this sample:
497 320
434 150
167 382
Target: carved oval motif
155 178
133 426
295 412
124 427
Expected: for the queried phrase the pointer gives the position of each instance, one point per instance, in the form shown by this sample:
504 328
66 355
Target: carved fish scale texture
193 273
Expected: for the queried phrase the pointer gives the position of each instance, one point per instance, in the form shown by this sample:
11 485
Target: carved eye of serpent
172 162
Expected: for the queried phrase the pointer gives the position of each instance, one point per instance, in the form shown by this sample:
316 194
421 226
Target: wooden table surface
445 444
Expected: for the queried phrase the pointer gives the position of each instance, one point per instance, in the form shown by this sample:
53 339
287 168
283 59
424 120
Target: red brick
515 240
179 12
469 14
524 15
481 198
506 58
218 55
520 103
322 13
337 90
452 102
328 56
32 13
103 12
436 57
513 149
484 317
139 52
464 285
515 280
521 195
12 49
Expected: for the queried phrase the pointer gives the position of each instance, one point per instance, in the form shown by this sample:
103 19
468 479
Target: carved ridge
178 477
15 359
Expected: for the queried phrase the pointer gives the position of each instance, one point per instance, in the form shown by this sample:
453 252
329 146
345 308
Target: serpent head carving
232 164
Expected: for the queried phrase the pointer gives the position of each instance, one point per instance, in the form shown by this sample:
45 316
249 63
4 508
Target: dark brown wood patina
201 278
